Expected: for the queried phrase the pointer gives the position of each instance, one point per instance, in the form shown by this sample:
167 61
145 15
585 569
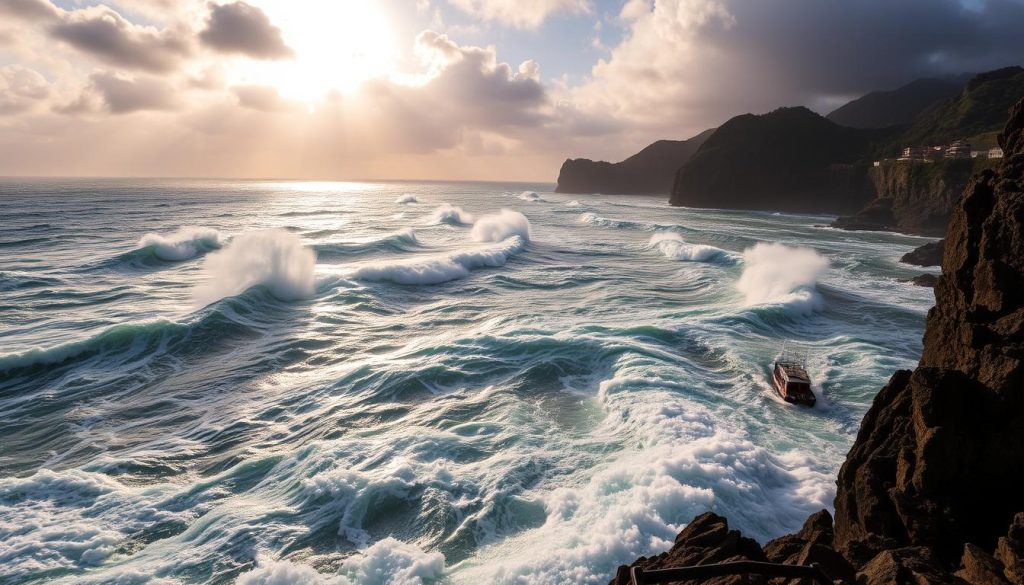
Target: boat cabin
792 383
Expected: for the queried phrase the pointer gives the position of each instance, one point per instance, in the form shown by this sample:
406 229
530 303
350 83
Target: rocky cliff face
914 197
931 490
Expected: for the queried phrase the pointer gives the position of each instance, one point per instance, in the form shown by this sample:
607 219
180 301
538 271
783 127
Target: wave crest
673 246
437 270
184 244
407 198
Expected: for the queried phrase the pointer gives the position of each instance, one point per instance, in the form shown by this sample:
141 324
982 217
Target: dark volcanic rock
927 255
706 540
650 171
938 459
925 280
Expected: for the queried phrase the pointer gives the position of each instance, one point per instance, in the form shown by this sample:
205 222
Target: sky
442 89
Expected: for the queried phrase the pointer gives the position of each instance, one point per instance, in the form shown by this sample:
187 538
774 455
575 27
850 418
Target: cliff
650 171
914 197
897 107
790 159
930 491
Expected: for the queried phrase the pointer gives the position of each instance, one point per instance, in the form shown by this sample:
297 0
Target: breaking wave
184 244
274 258
407 198
502 225
672 245
449 214
775 274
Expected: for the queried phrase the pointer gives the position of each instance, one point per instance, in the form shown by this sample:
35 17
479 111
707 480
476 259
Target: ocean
403 383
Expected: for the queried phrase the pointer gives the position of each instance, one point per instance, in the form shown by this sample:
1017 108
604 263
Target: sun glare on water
338 44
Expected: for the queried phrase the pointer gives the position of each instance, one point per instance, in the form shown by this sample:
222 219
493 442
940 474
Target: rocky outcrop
930 491
929 254
650 171
938 458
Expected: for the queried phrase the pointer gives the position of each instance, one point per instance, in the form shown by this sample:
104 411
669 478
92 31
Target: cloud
519 13
124 95
244 29
30 9
261 98
21 89
687 65
107 36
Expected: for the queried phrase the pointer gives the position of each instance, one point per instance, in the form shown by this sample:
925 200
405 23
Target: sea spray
274 258
502 225
407 198
183 244
672 245
783 275
451 215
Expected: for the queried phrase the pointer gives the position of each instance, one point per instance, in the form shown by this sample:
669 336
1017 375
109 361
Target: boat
792 382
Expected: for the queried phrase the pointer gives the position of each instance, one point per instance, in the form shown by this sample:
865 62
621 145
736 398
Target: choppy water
432 401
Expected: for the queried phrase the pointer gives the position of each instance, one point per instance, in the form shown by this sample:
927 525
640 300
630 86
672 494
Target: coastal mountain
930 491
980 108
880 109
920 197
650 171
791 159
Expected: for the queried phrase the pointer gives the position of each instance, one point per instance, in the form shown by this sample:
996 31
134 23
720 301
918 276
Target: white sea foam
451 215
184 244
274 258
782 275
439 269
407 198
684 463
530 196
502 225
387 562
61 520
672 245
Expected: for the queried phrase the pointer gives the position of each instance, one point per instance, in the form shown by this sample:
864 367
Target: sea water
295 382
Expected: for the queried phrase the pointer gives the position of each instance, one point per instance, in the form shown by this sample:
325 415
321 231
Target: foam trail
184 244
437 270
451 215
778 274
407 198
672 245
502 225
387 562
274 258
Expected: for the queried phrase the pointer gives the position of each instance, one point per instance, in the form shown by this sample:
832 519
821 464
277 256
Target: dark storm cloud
107 36
244 29
839 46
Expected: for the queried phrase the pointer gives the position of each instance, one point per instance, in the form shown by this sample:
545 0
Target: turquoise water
399 383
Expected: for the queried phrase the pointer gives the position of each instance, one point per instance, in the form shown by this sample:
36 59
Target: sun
338 44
